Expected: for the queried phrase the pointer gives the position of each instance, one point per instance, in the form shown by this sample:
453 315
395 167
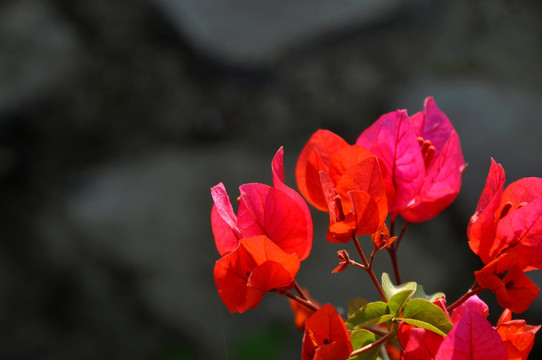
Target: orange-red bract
506 232
503 276
256 266
315 157
326 336
518 337
277 212
422 159
344 180
508 220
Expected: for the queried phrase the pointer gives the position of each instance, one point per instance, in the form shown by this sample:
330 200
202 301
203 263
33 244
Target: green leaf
361 338
422 324
390 289
356 304
370 314
397 301
427 312
420 294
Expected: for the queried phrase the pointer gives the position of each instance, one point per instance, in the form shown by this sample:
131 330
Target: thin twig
303 302
369 269
300 291
393 256
475 289
392 250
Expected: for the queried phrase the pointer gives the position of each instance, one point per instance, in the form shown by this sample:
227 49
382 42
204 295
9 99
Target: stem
376 331
300 291
303 302
372 258
392 250
369 268
384 339
352 262
403 229
393 256
475 289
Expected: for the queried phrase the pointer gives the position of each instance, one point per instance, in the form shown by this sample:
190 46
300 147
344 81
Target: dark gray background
116 117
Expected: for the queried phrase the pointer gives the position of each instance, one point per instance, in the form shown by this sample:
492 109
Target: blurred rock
39 52
150 216
246 32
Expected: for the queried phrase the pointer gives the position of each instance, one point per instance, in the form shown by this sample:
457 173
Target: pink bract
422 158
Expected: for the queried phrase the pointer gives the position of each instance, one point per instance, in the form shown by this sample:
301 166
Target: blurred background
116 117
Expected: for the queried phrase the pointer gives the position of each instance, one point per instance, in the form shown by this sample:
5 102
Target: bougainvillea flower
315 157
472 337
326 336
518 337
508 221
506 233
344 180
513 289
256 266
277 212
422 159
357 205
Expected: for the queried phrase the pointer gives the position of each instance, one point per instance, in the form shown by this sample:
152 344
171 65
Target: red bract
506 232
326 336
472 337
503 276
518 337
277 212
422 159
256 266
344 180
508 221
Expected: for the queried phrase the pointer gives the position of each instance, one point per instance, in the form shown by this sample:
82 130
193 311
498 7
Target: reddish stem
355 263
303 302
300 291
392 250
401 234
393 256
369 268
475 289
392 226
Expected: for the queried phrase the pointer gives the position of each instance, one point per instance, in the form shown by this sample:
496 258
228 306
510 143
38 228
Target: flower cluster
401 166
